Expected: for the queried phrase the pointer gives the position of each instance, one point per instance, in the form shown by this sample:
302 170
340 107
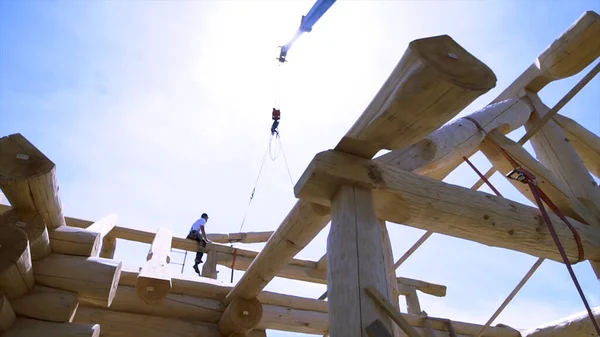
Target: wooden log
28 179
33 225
300 226
578 324
26 327
412 302
7 314
154 281
555 151
94 279
240 317
209 268
74 241
16 274
355 260
442 151
585 143
178 306
293 320
109 245
247 237
573 51
596 268
217 290
434 80
422 202
322 263
257 333
47 304
392 281
547 181
104 225
121 324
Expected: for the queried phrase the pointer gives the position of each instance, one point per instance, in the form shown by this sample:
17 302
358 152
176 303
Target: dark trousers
195 235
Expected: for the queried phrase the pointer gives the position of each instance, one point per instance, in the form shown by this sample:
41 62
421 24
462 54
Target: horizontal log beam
47 304
74 241
422 202
246 237
26 327
317 275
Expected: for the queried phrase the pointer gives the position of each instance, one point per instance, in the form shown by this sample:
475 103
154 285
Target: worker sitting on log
194 234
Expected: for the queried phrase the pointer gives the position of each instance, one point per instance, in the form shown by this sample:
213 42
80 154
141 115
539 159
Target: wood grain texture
109 245
154 280
47 304
94 279
433 81
209 268
33 225
440 152
576 48
16 274
407 198
74 241
355 261
240 317
28 179
553 187
27 327
585 143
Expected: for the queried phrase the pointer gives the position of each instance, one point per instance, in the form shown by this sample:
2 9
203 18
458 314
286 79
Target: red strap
233 262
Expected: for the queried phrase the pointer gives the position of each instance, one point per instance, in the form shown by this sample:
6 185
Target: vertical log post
109 245
154 281
393 282
209 269
412 302
103 227
355 261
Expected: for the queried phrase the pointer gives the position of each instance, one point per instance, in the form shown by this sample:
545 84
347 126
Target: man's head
204 216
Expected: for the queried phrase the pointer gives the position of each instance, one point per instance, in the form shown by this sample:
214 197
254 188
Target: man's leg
200 254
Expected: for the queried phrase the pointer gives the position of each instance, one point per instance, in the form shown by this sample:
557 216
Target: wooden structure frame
58 276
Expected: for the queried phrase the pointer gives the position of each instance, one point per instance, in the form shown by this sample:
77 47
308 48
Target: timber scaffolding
58 276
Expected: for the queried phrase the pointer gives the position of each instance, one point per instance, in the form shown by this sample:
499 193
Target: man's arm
204 234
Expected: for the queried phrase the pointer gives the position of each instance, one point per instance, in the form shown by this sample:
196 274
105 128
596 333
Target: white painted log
441 152
47 304
586 143
7 314
33 225
240 317
553 149
573 51
28 179
16 274
26 327
550 184
576 325
154 281
434 80
94 279
209 268
355 261
109 245
407 198
120 324
300 226
176 306
74 241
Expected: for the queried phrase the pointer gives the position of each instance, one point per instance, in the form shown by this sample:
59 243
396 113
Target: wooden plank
407 198
434 80
553 187
573 51
394 314
154 281
585 143
356 260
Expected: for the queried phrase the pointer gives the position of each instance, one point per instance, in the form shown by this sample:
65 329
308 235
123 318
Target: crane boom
306 24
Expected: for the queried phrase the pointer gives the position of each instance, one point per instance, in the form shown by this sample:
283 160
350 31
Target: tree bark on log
154 281
16 274
586 143
94 279
33 225
442 151
240 316
26 327
47 304
28 179
7 314
74 241
574 50
434 80
407 198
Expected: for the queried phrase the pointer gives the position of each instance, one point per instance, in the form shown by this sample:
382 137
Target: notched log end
19 160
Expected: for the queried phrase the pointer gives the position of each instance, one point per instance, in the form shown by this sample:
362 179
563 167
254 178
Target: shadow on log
33 225
16 274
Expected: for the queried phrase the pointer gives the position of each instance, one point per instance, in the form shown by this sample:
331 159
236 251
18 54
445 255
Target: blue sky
159 111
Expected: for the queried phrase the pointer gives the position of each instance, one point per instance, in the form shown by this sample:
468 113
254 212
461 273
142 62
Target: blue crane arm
308 20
